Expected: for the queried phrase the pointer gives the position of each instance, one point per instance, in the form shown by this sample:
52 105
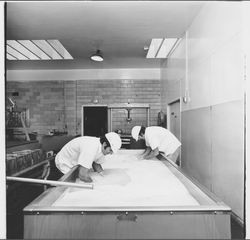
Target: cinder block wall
57 104
45 101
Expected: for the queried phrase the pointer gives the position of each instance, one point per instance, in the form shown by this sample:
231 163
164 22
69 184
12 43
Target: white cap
114 141
135 132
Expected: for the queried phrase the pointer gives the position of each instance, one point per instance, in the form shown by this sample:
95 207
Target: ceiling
120 29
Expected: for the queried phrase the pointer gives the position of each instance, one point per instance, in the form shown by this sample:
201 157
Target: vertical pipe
148 116
186 98
111 119
76 107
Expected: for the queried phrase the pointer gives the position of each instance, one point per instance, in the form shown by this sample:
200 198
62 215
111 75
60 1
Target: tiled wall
121 91
57 104
45 101
212 122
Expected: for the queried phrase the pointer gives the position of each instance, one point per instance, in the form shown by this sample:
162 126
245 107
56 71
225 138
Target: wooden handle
50 182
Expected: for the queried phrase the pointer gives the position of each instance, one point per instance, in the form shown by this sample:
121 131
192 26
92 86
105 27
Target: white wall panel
215 83
213 150
214 39
227 137
227 72
196 144
174 94
172 74
199 83
214 25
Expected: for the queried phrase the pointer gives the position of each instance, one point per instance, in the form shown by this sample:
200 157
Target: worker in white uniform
158 140
87 152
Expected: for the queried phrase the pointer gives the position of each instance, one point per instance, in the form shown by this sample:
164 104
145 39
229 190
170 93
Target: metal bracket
127 217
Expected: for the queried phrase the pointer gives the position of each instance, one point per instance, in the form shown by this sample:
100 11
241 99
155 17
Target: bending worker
158 140
87 152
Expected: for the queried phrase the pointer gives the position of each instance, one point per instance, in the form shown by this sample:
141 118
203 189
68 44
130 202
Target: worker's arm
84 174
144 153
152 154
147 151
97 167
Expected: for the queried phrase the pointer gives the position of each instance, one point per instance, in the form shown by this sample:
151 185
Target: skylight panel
20 48
154 47
161 47
15 53
60 49
35 49
166 47
48 49
10 57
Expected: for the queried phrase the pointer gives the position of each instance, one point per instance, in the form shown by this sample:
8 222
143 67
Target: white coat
162 138
82 150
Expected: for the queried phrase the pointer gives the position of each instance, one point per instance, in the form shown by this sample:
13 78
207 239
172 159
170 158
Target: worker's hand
97 167
140 157
86 179
84 174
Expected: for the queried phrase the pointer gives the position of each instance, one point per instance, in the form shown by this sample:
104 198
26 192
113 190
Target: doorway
94 120
174 122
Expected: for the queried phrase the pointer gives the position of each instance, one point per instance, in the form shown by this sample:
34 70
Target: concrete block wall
45 101
57 104
121 91
120 115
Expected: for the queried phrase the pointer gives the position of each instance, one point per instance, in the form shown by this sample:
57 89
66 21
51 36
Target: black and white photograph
125 119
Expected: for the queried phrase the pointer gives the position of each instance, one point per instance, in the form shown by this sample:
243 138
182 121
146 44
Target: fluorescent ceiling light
166 47
161 47
36 50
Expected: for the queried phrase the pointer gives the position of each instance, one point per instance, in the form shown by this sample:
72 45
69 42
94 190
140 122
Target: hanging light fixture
97 56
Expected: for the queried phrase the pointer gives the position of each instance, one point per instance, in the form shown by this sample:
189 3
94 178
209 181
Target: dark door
95 121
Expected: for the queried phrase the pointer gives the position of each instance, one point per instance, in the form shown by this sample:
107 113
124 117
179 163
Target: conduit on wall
186 97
